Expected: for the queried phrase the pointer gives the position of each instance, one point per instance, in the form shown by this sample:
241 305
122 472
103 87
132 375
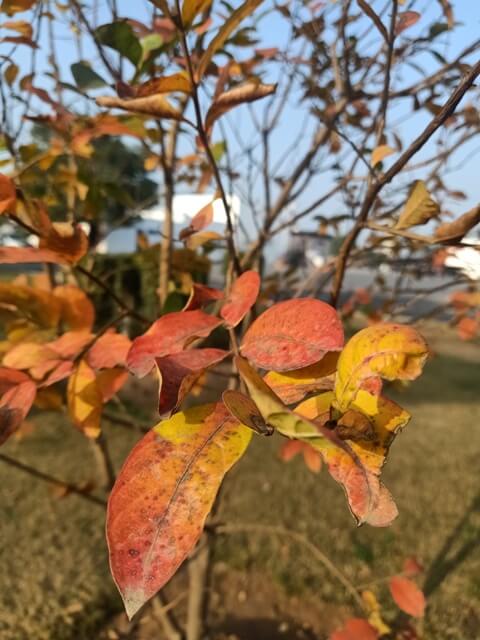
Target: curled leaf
201 295
152 105
163 494
293 334
452 232
179 372
247 92
383 350
246 411
380 153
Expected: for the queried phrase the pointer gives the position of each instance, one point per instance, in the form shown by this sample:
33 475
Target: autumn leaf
244 93
84 400
193 8
199 239
179 372
201 295
383 350
77 310
199 221
312 458
406 20
17 393
109 350
452 232
242 297
163 494
176 82
246 412
10 7
293 334
380 153
369 436
8 195
293 386
110 381
407 596
419 209
356 629
167 336
236 17
152 105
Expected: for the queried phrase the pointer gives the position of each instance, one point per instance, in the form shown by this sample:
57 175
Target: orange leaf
168 335
452 232
242 297
8 195
407 596
247 92
179 372
199 221
110 350
406 20
110 381
153 105
380 153
356 629
77 309
163 494
176 82
293 334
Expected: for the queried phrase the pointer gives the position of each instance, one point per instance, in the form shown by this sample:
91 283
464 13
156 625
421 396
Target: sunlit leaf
168 335
244 93
236 17
419 209
84 400
176 82
242 297
293 334
193 8
110 381
383 350
163 494
77 312
200 221
293 386
380 153
10 7
153 105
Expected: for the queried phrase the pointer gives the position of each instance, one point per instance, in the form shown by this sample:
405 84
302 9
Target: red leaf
109 351
163 494
8 195
356 629
293 334
406 20
18 393
179 372
290 449
242 297
467 328
407 596
168 335
201 295
412 567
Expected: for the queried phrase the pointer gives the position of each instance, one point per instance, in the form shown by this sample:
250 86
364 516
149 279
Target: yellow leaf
176 82
192 8
419 209
84 400
381 152
155 105
384 350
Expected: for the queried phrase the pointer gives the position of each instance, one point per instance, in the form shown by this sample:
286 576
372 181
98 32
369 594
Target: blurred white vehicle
465 259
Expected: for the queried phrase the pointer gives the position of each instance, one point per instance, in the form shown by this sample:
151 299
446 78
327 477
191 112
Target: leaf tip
133 601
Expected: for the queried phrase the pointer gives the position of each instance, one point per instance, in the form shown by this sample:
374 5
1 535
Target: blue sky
273 32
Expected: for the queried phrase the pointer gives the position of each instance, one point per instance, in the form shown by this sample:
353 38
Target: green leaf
120 37
85 77
150 43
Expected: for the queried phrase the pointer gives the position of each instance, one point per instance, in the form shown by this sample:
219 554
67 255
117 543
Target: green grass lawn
55 582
